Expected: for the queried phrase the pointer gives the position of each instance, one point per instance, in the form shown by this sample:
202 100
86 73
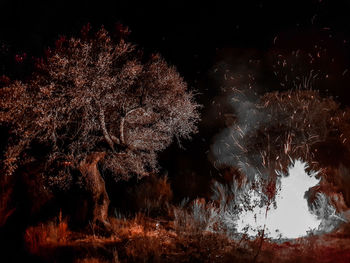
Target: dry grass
52 233
147 240
153 195
143 239
90 260
115 259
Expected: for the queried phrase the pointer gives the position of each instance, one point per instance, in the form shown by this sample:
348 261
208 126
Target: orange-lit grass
52 233
143 239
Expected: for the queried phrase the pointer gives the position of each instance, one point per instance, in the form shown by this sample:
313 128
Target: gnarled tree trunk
95 186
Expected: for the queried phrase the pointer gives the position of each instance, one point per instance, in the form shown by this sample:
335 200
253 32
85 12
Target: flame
290 216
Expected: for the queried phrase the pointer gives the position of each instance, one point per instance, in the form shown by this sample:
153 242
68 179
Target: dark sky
198 38
190 34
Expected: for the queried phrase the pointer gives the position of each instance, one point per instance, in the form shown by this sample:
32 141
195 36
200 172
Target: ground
145 239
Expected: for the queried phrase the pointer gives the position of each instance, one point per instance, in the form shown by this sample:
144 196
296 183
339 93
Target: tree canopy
98 94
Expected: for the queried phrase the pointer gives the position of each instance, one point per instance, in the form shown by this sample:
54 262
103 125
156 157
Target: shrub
153 195
52 233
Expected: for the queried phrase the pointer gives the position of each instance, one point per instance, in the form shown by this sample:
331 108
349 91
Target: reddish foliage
121 31
270 189
85 31
20 58
4 81
96 95
59 44
6 209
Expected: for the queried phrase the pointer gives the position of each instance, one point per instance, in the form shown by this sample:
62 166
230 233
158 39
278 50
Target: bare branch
121 129
106 135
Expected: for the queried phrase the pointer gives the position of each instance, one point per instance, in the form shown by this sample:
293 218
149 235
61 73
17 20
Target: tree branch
104 129
121 128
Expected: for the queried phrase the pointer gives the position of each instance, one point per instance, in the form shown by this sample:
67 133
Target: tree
95 100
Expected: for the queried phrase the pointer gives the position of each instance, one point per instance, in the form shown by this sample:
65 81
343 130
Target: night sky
200 39
188 34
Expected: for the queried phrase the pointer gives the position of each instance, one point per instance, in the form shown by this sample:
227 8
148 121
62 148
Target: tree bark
95 186
104 129
121 128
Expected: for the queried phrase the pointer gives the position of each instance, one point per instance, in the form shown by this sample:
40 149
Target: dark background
203 40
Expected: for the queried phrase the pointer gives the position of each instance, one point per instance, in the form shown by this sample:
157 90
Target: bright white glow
291 218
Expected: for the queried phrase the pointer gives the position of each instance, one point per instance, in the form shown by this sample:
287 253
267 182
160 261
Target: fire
290 216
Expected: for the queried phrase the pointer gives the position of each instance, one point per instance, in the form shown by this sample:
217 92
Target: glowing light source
290 217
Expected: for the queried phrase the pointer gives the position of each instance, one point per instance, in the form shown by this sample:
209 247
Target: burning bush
268 133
